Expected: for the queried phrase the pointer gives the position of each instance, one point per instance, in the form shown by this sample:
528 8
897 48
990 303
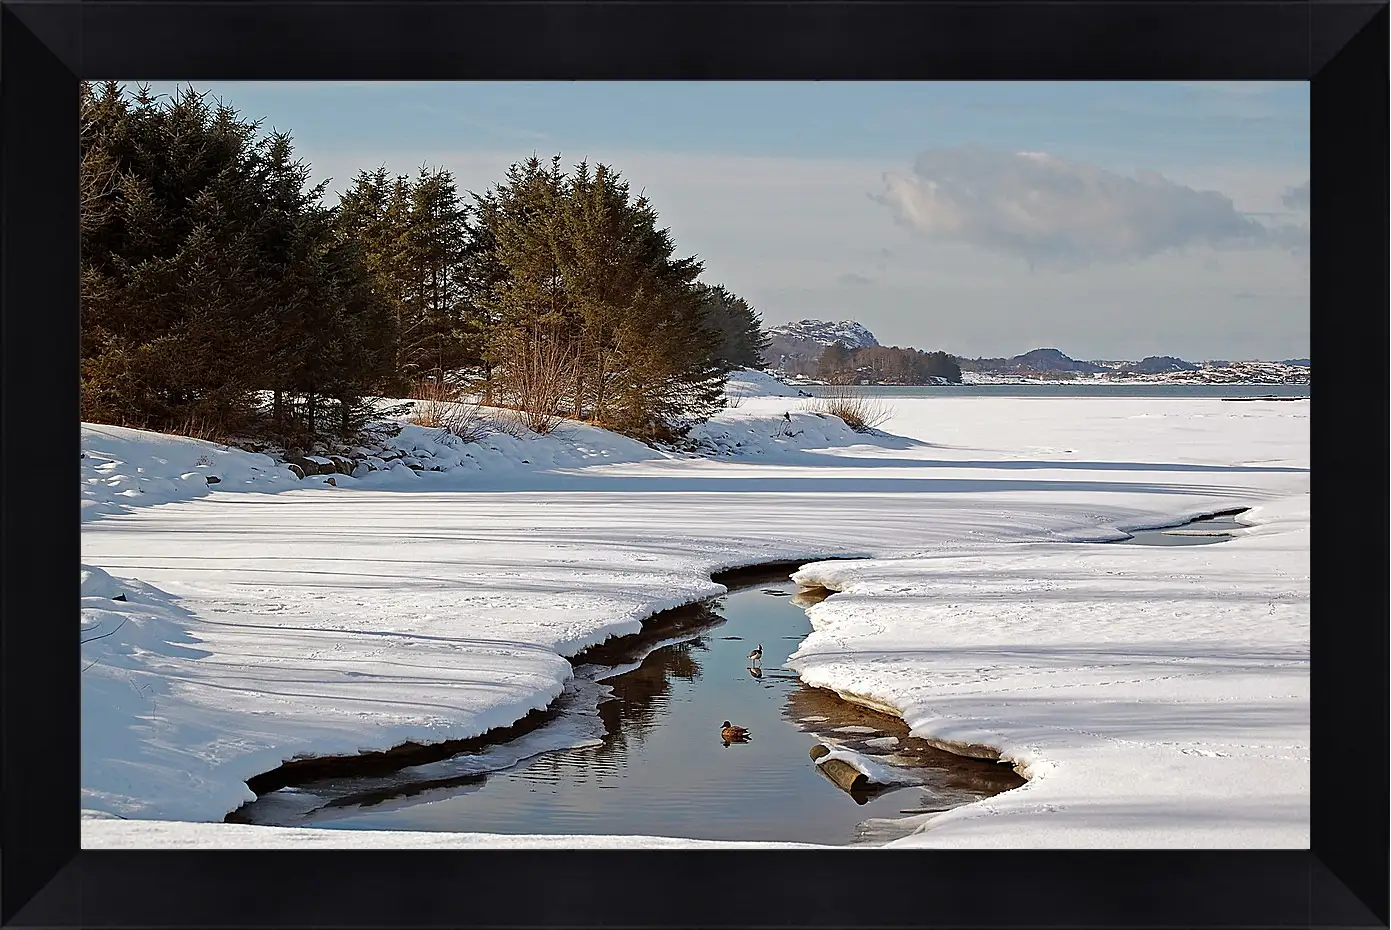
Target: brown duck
732 734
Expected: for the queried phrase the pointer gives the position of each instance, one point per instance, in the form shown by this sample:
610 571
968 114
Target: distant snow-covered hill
822 333
1158 365
805 340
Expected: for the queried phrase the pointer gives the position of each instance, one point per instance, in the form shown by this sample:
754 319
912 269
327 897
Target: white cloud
1058 213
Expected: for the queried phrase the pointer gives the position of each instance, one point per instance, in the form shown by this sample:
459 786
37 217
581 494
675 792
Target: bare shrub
537 380
434 398
201 427
442 403
513 423
465 422
860 411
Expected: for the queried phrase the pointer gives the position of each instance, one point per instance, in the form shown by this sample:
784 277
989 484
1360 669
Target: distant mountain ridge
1053 360
1052 365
796 348
1158 365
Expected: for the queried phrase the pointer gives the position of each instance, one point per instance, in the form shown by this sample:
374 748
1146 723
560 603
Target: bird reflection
755 672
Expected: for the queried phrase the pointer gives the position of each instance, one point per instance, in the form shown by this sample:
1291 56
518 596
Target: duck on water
733 734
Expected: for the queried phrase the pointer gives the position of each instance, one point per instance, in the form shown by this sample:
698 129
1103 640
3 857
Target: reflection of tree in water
639 694
637 699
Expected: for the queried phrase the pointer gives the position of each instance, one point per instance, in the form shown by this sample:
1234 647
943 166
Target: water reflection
656 761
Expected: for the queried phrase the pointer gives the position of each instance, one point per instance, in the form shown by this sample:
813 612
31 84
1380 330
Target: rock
331 482
119 597
342 465
214 479
415 466
296 470
362 470
317 465
306 466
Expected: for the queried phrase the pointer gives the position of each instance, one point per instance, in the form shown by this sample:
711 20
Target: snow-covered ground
1154 696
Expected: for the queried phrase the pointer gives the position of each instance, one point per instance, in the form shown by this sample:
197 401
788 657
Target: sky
1110 220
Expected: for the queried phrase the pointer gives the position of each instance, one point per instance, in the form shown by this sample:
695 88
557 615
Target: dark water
658 765
1075 390
1203 531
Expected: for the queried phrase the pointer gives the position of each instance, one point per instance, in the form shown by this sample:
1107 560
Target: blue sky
1110 220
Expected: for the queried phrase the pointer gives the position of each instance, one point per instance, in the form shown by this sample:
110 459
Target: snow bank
1154 696
124 468
757 434
178 711
1131 683
497 458
748 382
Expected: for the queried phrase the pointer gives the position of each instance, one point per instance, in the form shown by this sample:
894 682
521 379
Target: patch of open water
1201 531
649 760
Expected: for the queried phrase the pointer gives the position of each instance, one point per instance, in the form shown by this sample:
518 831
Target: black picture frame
47 46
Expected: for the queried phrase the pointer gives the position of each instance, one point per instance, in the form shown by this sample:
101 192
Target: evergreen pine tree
738 327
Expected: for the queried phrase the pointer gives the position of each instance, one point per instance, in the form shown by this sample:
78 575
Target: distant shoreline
1059 382
1081 388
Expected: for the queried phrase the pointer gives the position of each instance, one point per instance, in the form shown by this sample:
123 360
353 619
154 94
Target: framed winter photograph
668 449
